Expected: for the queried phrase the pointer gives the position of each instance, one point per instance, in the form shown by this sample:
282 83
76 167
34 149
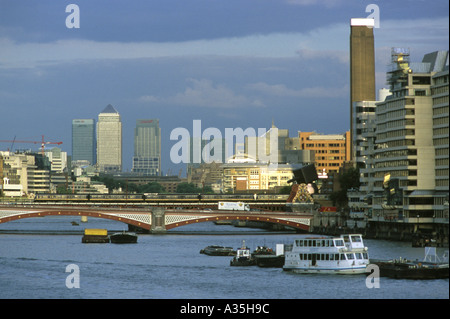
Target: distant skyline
235 63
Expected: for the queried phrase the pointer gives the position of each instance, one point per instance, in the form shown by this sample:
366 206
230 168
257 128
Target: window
358 256
342 256
350 256
338 243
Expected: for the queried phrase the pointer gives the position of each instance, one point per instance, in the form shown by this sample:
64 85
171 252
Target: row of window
319 243
346 256
437 110
396 143
396 133
440 100
441 121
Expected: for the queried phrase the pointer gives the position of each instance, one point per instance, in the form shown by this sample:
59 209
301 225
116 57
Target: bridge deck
161 218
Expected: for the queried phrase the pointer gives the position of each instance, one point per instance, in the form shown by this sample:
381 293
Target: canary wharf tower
109 141
147 147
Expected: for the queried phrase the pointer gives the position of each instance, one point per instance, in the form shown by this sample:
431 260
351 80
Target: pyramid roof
109 109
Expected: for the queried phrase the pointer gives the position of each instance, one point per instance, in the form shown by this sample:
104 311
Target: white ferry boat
335 255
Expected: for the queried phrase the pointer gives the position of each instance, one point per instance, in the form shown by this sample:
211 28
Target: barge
95 236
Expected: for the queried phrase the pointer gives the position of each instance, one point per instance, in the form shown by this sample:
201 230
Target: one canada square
109 141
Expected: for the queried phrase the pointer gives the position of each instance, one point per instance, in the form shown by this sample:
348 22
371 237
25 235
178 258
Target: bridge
158 219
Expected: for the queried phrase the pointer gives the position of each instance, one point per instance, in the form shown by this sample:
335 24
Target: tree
347 180
152 187
188 188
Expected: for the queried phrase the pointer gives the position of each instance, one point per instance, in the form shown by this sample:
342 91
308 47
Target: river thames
35 252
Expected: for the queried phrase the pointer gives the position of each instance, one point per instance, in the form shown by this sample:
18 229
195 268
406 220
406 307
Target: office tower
147 147
83 140
412 143
362 65
109 141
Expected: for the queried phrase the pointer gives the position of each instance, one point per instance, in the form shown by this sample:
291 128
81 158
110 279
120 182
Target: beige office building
412 142
109 141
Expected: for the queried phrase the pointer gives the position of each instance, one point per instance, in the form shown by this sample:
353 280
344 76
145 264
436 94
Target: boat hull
267 261
343 271
412 271
242 262
123 238
93 239
218 251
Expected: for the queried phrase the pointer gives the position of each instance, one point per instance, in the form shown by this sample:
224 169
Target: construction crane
42 142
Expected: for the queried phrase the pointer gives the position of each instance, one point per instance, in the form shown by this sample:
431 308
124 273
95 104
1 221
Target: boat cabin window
350 256
342 256
320 257
338 243
365 256
356 239
358 256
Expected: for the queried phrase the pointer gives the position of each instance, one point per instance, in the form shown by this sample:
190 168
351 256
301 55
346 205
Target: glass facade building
147 147
83 140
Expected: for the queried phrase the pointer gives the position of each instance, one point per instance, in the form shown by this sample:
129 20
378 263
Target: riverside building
411 151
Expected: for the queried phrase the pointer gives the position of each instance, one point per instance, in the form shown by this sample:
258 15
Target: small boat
266 261
123 238
408 269
215 250
243 257
330 255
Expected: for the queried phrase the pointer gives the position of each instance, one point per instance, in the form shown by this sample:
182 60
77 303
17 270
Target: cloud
327 3
280 90
203 93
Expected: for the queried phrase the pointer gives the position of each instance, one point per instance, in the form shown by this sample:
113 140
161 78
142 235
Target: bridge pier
158 220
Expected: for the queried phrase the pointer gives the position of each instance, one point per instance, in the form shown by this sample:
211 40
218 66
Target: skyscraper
362 64
109 141
83 140
147 147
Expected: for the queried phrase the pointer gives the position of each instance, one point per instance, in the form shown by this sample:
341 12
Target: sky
228 63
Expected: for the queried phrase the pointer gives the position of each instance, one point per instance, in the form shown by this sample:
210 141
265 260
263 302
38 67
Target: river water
35 252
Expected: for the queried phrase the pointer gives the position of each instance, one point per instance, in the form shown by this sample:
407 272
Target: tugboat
243 257
123 238
215 250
